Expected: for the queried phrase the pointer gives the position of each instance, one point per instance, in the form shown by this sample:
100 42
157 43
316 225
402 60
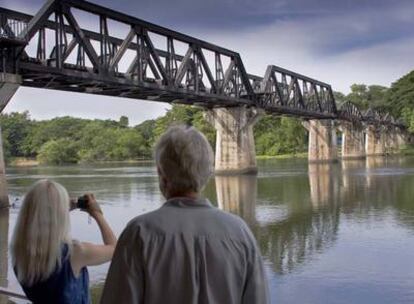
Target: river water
329 233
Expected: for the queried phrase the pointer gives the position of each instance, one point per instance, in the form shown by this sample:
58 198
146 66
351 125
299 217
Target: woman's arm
88 254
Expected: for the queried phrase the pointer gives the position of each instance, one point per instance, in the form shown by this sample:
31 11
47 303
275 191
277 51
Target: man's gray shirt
186 252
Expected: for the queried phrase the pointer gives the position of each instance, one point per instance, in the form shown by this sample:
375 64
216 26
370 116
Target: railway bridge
127 57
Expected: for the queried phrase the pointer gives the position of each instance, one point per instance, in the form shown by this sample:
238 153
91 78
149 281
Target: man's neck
190 195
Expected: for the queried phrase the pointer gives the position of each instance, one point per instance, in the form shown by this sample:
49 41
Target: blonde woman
50 266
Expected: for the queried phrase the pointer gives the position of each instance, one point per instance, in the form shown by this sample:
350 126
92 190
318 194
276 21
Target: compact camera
82 202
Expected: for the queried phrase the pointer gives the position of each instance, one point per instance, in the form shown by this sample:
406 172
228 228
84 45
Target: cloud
340 50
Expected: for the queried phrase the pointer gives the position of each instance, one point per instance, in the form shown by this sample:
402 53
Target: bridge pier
322 140
401 139
235 149
353 141
375 141
387 137
9 83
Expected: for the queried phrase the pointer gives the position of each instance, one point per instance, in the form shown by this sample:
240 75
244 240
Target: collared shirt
186 252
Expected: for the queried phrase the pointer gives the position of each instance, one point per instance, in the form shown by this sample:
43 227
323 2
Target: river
329 233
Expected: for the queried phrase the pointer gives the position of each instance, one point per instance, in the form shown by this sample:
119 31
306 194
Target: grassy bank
22 162
407 150
284 156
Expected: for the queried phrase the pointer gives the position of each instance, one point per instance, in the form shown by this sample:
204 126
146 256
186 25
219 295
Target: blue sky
339 42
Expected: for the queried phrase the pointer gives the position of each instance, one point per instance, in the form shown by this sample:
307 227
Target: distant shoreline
32 162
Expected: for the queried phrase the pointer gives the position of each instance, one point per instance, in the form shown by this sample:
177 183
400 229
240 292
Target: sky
338 42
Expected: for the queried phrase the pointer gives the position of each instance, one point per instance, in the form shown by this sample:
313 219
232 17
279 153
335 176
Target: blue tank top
62 287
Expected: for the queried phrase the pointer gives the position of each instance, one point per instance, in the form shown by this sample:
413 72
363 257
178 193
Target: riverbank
283 156
407 150
30 162
22 162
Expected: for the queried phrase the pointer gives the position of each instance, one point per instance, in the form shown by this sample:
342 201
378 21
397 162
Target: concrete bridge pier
401 139
353 141
9 83
374 142
235 149
388 141
322 140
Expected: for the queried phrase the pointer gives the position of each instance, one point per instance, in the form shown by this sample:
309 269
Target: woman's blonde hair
41 230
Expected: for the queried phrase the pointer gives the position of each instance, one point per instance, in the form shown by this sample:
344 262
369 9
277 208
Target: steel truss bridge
55 49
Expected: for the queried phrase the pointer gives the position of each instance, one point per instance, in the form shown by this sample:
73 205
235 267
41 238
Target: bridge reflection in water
290 237
303 220
295 210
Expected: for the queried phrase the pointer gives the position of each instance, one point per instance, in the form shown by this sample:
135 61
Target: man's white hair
185 158
41 230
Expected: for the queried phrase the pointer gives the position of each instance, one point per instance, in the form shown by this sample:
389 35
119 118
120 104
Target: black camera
82 202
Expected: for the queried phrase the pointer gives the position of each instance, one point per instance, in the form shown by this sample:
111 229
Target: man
187 251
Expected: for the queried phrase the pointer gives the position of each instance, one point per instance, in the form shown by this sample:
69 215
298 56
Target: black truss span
55 50
351 113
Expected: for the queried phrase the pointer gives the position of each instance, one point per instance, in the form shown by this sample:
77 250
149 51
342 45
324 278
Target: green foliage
59 151
188 115
70 140
340 98
407 115
279 135
367 96
123 122
15 128
401 95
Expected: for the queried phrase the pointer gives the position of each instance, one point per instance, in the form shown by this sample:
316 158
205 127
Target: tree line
397 100
73 140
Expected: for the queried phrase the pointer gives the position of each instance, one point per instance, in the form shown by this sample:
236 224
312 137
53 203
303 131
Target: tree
407 114
123 122
340 98
146 129
401 95
359 95
15 129
279 135
376 96
57 152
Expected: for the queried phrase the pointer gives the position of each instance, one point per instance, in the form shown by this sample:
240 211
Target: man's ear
161 176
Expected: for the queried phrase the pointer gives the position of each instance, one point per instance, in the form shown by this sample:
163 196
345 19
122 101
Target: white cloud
299 46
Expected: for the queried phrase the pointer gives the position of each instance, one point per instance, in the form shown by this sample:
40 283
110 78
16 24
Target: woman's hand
92 206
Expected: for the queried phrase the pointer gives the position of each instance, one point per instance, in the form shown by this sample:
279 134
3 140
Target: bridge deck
127 57
150 62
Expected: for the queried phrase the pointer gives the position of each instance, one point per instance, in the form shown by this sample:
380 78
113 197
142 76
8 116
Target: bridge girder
165 66
154 63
